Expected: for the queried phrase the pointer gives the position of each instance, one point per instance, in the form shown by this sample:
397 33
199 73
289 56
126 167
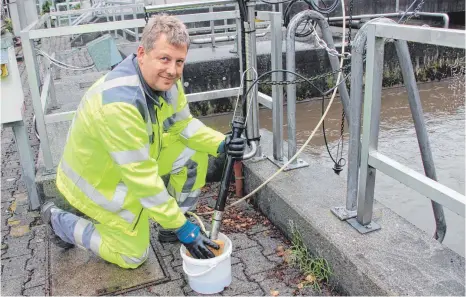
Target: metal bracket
363 229
342 213
258 158
299 164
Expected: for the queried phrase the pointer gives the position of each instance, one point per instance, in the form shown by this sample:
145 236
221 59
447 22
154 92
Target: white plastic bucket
209 276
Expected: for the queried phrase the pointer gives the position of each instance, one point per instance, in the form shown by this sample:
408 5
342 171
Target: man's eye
164 59
180 62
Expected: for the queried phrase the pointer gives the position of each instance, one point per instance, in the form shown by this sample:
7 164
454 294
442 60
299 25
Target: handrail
291 66
444 16
188 5
370 159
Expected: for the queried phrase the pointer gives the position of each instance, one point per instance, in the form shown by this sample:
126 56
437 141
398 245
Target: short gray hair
160 24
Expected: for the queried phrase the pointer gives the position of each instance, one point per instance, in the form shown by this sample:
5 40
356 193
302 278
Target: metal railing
308 15
40 99
365 155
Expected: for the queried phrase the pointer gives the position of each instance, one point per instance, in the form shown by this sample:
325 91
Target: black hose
327 9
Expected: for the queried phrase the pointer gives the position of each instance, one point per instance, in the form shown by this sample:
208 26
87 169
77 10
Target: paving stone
12 287
8 183
258 228
285 275
15 268
254 260
173 288
35 291
37 266
174 275
269 240
21 198
240 283
21 209
256 292
275 258
241 241
17 247
235 260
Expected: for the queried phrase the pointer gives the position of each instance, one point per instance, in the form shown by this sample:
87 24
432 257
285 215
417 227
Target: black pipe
237 127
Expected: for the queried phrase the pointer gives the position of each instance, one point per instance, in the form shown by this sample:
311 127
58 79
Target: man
132 127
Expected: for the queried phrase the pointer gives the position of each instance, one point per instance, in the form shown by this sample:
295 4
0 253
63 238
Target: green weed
316 269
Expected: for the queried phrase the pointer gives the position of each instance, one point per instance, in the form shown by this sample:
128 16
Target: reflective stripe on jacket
109 166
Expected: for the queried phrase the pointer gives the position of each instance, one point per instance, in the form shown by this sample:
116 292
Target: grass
316 269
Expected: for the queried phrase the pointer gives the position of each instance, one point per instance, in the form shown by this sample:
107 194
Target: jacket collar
152 96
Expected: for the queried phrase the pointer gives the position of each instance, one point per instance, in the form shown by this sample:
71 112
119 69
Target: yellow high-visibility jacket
109 166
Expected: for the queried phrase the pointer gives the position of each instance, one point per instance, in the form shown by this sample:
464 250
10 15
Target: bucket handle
198 274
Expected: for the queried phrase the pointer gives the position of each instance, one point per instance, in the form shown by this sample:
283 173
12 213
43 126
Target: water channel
444 110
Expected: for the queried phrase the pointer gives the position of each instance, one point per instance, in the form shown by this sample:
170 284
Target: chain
342 128
416 10
300 80
331 51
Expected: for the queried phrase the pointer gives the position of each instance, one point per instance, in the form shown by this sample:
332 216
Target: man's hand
195 242
233 147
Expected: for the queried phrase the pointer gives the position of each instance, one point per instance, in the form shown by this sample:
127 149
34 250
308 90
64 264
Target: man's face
163 65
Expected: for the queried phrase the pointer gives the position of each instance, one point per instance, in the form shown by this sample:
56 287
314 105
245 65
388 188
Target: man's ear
140 53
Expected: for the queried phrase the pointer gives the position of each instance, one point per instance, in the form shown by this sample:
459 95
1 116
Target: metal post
27 163
291 88
421 131
136 29
397 6
291 66
124 30
33 79
354 142
49 22
212 29
334 63
277 90
53 97
372 103
251 62
237 44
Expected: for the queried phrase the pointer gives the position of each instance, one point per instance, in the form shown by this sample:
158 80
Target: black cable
337 164
327 9
276 2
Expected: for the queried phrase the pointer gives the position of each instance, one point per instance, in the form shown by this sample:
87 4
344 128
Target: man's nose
171 69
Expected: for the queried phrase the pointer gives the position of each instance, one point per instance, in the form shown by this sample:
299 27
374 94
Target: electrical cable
327 9
313 131
62 64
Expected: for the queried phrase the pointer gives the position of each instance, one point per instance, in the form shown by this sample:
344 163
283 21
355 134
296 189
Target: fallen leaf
300 286
18 231
311 278
13 222
280 248
13 207
274 293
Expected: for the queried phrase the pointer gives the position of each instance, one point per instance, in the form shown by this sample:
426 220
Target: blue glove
195 242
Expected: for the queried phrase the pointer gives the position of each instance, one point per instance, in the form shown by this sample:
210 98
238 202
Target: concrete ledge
399 259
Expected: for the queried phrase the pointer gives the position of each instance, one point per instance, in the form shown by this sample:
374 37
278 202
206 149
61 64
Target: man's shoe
46 215
167 236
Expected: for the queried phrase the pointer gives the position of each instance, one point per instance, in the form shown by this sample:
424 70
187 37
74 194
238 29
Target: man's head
162 52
